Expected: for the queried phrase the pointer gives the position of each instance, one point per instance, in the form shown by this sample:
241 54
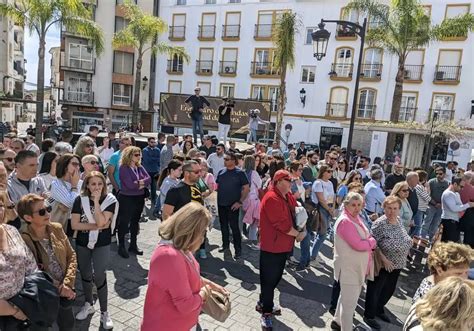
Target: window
120 2
366 107
177 31
264 26
174 86
414 65
78 89
442 106
263 62
205 62
229 61
456 10
205 88
207 29
210 2
408 106
231 29
448 68
337 105
265 92
80 56
227 90
372 67
307 74
344 32
175 64
120 23
234 1
181 2
123 63
309 39
344 62
122 95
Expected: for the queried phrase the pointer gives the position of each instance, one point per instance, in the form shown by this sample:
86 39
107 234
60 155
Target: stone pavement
304 298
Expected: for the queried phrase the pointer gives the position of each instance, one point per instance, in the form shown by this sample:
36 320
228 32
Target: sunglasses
137 154
333 158
90 145
43 211
93 162
405 190
357 178
461 186
9 159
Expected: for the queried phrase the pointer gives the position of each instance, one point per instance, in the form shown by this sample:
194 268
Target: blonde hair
85 192
448 306
89 158
9 214
127 155
186 227
81 145
390 200
449 255
352 196
398 187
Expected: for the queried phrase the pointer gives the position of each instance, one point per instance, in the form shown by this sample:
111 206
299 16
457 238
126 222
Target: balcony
344 33
78 97
204 68
77 65
227 68
263 31
447 75
17 66
174 67
230 32
263 70
207 32
341 71
177 32
366 111
413 74
441 114
336 109
407 114
371 72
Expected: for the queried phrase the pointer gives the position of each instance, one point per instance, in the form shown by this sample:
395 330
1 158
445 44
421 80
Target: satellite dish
454 145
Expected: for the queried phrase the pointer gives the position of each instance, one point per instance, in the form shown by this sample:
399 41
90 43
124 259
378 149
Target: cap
280 175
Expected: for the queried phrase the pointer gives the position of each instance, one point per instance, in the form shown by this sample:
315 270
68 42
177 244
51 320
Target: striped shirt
61 191
424 197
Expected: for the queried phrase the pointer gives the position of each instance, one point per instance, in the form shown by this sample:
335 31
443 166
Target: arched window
366 106
372 67
344 62
337 105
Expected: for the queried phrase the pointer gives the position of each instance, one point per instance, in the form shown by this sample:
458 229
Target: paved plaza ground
304 298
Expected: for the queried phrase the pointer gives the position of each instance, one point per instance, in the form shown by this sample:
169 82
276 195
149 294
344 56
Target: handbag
378 264
60 214
217 306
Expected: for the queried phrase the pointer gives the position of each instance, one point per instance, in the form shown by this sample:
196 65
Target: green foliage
142 33
287 26
454 27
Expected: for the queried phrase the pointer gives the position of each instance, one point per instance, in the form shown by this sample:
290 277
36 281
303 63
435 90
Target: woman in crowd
52 250
169 178
175 294
291 158
207 176
89 163
353 176
342 170
445 260
62 148
261 166
323 198
48 168
393 245
10 215
134 179
302 159
424 199
64 189
106 150
353 245
187 146
402 190
448 306
93 217
16 262
86 146
251 204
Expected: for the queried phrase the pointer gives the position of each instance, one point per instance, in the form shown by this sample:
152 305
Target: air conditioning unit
206 70
229 70
439 75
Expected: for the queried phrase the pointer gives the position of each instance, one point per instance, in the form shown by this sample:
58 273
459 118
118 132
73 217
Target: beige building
12 67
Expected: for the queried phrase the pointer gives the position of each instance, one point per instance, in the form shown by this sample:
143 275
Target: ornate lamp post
320 44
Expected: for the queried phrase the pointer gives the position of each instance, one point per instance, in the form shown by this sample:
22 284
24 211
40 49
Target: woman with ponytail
169 178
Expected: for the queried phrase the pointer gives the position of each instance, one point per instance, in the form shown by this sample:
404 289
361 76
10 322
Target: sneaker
85 311
276 309
319 259
372 323
266 322
254 247
223 250
300 268
114 239
335 326
315 264
202 254
293 260
106 321
238 255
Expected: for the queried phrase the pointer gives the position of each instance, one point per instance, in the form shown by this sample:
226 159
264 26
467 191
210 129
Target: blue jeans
431 222
305 250
320 238
416 230
197 128
253 135
157 209
152 187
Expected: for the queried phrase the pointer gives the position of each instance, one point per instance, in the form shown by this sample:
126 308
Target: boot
133 248
123 252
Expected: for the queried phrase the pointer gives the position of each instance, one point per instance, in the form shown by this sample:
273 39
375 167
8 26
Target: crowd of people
62 207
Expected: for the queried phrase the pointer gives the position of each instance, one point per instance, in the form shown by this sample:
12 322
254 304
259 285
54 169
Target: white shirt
326 188
33 147
449 175
216 163
451 205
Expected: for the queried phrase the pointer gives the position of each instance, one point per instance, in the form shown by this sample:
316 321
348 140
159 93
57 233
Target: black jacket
197 102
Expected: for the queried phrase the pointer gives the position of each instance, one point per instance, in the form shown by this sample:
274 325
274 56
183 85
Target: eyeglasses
43 211
90 145
357 178
137 154
93 162
461 186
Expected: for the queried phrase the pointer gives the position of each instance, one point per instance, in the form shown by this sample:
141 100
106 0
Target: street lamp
303 96
320 43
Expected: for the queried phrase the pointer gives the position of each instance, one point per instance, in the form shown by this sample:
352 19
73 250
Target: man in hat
197 103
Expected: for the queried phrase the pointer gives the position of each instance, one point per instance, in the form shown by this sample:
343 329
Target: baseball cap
280 175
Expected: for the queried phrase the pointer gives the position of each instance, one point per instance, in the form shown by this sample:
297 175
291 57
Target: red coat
276 220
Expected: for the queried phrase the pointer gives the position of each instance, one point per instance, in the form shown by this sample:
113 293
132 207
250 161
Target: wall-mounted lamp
303 96
145 82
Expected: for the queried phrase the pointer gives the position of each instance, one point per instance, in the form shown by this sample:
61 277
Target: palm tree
401 27
39 16
141 33
286 27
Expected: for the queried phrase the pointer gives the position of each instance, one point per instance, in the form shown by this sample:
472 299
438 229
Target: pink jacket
172 300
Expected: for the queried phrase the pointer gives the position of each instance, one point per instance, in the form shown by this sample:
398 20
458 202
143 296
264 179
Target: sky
31 55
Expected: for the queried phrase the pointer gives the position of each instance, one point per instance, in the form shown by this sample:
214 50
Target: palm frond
16 14
454 27
286 27
86 28
164 48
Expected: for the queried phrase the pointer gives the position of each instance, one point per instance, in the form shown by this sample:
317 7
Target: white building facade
231 55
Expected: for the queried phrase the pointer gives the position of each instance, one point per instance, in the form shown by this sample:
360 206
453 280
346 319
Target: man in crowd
177 145
301 149
364 162
151 163
113 141
395 177
223 122
93 132
433 215
31 146
466 223
471 167
310 170
233 187
166 154
450 169
114 164
207 146
374 195
24 179
7 139
197 103
161 140
413 180
274 149
8 159
17 145
216 160
452 206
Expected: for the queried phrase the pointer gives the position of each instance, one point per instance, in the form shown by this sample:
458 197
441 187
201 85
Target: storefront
329 136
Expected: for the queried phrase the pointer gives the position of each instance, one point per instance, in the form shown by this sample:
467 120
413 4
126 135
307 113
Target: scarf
94 234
